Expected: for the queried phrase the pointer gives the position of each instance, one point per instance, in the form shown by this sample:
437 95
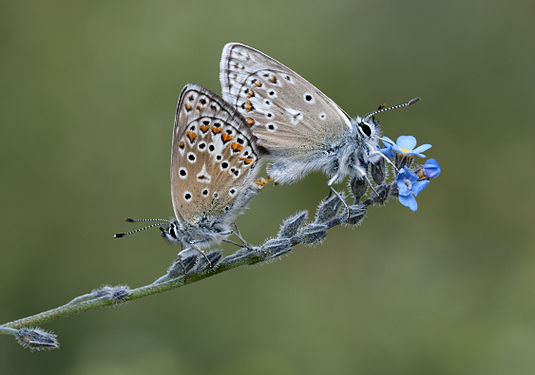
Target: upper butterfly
299 127
213 168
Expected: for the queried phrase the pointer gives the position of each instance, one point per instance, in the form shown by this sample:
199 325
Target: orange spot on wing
247 160
250 94
204 128
250 121
216 130
200 108
191 136
248 106
181 144
258 84
188 107
236 146
226 137
273 79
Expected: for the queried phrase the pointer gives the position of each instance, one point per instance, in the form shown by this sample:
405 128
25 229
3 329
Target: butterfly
299 127
214 161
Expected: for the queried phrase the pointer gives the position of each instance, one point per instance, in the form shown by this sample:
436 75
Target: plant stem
293 231
89 302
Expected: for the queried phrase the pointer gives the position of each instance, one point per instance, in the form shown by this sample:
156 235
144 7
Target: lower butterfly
214 161
300 128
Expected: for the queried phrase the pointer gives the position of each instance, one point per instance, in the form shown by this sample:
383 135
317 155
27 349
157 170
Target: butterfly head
202 233
367 128
366 133
169 228
171 232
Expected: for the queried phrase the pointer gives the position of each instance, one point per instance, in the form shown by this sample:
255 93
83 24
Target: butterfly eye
365 128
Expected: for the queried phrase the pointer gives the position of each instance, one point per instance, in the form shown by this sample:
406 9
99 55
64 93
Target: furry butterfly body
300 128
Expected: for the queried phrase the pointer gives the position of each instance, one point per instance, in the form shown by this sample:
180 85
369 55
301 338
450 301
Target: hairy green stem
293 231
7 331
86 302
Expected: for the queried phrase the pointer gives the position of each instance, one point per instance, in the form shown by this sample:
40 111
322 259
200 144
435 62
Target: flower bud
291 225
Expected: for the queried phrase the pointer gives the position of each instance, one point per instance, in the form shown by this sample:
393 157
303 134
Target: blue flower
405 145
387 150
430 169
409 187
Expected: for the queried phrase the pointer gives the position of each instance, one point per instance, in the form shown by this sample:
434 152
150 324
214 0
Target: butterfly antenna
383 109
130 220
119 235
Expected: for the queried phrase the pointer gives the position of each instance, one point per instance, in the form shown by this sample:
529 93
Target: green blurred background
88 92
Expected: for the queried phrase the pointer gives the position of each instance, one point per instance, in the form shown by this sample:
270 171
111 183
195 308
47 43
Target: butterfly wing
213 158
289 116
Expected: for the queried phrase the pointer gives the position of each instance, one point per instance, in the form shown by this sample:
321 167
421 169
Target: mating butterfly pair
267 111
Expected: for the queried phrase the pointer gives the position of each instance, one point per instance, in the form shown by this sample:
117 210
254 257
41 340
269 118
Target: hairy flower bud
358 187
327 209
378 171
36 339
291 225
277 246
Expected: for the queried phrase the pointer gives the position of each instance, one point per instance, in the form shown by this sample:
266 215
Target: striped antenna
130 220
382 109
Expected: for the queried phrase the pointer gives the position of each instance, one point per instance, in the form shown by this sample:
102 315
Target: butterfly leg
201 253
246 244
180 261
230 241
364 173
370 184
237 233
330 184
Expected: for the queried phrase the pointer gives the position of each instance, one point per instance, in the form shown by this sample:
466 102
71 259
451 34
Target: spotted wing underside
213 156
288 115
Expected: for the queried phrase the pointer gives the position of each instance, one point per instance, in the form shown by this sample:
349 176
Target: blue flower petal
431 168
396 148
422 148
387 150
405 145
418 186
419 155
410 174
403 190
409 201
406 141
409 187
401 175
